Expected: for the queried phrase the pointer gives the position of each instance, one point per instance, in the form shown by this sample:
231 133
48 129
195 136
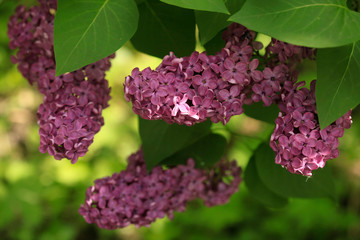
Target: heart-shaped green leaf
88 30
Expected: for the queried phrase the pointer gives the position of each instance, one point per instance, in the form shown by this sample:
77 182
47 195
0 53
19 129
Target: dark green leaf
88 30
161 140
261 112
338 83
258 189
286 184
164 28
215 44
207 151
210 23
203 5
311 23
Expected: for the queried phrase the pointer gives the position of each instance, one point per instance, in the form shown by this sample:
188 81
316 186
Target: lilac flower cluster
134 196
297 140
71 116
73 102
191 89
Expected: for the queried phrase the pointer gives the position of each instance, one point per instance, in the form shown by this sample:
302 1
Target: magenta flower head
134 196
191 89
297 140
71 113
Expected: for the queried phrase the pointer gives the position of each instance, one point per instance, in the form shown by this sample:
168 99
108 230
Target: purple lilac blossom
137 197
299 143
191 89
70 115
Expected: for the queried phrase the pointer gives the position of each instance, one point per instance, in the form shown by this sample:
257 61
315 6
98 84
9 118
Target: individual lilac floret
191 89
134 196
71 113
297 140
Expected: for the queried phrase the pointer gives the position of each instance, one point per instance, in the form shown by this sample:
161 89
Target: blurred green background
40 197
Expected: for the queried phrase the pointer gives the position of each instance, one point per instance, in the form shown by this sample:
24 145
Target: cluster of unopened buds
70 115
192 89
134 196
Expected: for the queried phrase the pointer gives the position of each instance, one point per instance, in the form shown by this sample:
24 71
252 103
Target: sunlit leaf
203 5
88 30
311 23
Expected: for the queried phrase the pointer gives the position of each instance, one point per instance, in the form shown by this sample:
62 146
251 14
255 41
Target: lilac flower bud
134 196
297 140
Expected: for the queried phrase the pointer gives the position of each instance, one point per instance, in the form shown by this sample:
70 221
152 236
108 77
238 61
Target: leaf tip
58 72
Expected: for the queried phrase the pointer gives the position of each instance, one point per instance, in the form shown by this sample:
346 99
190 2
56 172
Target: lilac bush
181 90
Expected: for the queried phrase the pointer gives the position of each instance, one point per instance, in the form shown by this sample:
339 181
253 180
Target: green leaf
161 140
259 190
286 184
215 44
311 23
338 83
88 30
210 23
164 28
261 112
207 151
203 5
